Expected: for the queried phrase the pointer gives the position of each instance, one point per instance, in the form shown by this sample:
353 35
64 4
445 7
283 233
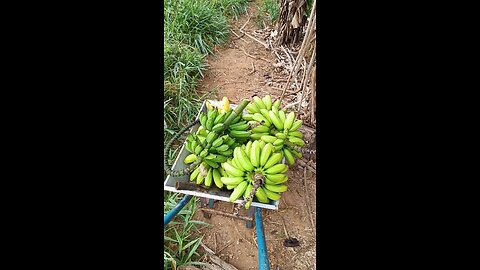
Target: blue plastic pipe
170 215
262 246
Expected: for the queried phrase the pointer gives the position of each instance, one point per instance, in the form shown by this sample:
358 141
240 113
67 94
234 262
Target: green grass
181 241
191 29
271 8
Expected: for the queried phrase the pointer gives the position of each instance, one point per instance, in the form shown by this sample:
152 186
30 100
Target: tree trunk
291 21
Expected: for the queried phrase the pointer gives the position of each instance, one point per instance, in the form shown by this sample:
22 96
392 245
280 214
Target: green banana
188 145
216 178
222 148
267 100
275 110
248 190
239 133
278 124
195 173
277 104
260 118
238 191
296 141
209 178
232 170
211 163
209 124
198 149
268 139
265 154
296 125
257 136
264 112
278 142
200 179
230 187
248 147
281 135
259 103
261 195
261 144
219 119
252 108
217 142
289 120
244 160
260 129
276 178
247 117
282 118
276 168
211 136
253 154
203 119
226 153
218 127
297 154
276 188
222 172
231 181
296 133
240 127
274 159
272 195
289 156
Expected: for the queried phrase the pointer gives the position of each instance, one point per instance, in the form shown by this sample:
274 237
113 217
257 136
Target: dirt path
239 76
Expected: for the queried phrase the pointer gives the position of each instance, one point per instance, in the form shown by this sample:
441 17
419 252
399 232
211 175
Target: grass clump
271 8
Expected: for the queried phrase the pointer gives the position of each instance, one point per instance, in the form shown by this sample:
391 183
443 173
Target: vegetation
191 29
271 8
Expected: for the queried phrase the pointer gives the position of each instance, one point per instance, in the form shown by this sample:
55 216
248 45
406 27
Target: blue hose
170 215
262 246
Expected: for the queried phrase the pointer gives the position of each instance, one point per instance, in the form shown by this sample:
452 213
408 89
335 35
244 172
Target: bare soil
239 76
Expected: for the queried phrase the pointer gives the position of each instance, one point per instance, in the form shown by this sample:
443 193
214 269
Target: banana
265 154
244 160
219 119
222 172
262 144
252 108
233 126
248 190
272 195
195 173
218 127
211 136
260 118
260 129
188 145
275 110
257 136
198 149
222 148
297 154
203 119
278 124
236 163
248 147
276 188
278 147
296 125
210 157
255 154
212 114
238 191
267 100
296 141
259 103
264 112
200 179
217 142
209 124
278 168
261 195
226 153
276 104
278 142
268 139
202 131
240 133
289 156
296 133
211 163
216 178
231 181
231 187
276 178
240 127
209 178
282 118
247 117
281 135
232 170
289 120
203 153
229 141
274 159
220 159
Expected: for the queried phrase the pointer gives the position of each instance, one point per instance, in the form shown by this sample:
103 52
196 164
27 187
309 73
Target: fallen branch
252 37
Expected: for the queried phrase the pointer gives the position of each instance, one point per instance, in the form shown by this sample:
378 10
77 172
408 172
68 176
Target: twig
215 242
228 244
253 69
241 28
250 36
307 200
238 37
284 227
292 104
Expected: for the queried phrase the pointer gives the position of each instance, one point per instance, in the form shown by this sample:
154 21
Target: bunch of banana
275 127
255 166
206 175
215 118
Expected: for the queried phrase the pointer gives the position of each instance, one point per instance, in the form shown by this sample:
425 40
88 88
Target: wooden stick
208 210
241 28
250 36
